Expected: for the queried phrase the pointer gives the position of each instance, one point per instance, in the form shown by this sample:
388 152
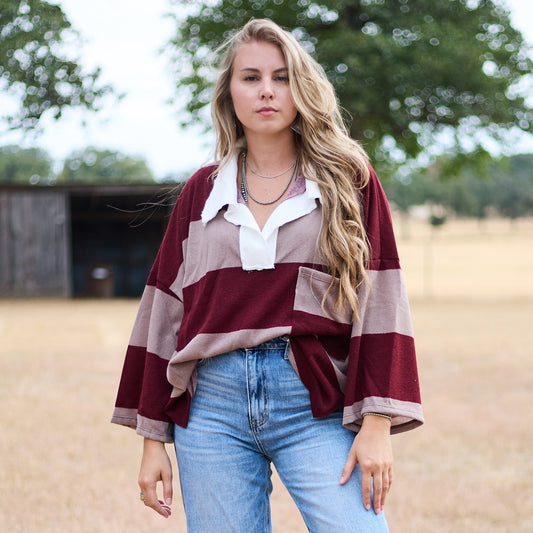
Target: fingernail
169 501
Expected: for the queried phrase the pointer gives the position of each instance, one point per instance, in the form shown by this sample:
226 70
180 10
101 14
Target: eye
284 79
251 77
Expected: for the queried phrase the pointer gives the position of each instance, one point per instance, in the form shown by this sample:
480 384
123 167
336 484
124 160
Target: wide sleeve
382 372
144 390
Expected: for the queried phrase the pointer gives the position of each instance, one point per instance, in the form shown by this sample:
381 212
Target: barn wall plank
35 244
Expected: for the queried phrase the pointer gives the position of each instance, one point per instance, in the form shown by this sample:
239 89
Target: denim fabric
251 409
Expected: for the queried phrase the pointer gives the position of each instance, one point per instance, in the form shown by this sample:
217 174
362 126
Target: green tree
412 74
33 67
25 166
414 190
91 167
513 184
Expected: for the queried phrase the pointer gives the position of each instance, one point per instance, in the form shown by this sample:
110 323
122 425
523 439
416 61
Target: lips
267 111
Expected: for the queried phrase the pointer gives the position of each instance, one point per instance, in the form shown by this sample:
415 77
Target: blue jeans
251 409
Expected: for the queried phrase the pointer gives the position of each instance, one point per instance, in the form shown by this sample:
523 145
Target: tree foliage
96 167
34 68
412 74
507 189
25 166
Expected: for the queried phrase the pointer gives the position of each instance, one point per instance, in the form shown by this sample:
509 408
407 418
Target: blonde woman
274 327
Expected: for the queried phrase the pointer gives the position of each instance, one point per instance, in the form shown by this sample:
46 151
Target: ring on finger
141 496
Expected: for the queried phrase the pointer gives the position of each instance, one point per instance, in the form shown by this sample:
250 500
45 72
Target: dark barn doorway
115 235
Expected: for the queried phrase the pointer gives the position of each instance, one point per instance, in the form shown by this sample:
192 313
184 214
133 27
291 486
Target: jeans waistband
277 342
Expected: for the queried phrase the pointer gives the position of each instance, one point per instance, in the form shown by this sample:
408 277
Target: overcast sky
123 37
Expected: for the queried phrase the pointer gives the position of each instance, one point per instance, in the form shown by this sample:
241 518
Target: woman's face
260 90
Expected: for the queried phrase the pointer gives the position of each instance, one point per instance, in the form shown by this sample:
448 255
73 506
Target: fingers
156 467
376 484
375 477
149 495
348 468
166 478
386 485
366 483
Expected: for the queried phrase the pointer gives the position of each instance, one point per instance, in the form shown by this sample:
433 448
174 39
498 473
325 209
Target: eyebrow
253 69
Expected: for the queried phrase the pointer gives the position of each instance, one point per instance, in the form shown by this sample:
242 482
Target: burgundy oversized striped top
199 302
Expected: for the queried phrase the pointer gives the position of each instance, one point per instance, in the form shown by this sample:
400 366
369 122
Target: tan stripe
311 287
297 240
155 429
139 334
216 245
210 248
405 415
157 323
385 308
341 369
165 322
125 417
206 345
181 369
179 375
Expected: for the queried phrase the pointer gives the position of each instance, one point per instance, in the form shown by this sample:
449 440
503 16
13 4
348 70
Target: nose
267 91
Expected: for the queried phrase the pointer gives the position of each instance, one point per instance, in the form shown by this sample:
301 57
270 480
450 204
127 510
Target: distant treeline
89 166
505 189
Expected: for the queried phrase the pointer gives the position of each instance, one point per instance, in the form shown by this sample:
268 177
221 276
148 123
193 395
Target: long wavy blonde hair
326 153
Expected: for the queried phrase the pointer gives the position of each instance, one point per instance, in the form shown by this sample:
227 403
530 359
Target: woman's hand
155 467
372 449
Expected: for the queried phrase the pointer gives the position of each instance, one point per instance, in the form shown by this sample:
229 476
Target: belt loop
287 346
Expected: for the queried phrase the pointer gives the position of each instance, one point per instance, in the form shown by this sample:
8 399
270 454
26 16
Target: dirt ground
469 469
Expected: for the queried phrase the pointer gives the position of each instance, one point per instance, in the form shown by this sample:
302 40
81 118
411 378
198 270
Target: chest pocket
311 286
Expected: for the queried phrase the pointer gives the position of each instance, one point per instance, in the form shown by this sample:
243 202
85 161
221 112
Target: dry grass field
64 468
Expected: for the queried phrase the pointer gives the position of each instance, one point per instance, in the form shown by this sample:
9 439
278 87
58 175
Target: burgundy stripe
178 409
155 389
189 204
196 191
382 365
303 323
130 386
378 225
317 374
383 264
271 289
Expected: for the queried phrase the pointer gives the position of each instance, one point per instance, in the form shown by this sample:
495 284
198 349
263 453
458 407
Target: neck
269 155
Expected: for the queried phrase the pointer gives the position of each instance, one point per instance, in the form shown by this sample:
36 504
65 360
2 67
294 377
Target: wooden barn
80 241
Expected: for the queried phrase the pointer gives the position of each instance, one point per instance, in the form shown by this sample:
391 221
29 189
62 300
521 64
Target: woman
274 327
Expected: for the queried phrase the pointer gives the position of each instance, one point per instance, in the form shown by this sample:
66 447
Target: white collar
224 191
257 247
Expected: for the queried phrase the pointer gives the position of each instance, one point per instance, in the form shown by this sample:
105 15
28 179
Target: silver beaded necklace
244 186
